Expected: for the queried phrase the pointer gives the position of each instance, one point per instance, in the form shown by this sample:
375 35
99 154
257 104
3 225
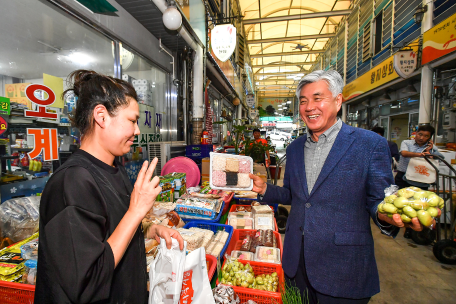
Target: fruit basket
211 266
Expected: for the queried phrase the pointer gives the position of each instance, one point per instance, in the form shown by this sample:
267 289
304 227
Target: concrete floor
409 273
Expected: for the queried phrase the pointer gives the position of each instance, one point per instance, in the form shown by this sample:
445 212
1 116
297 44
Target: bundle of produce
411 202
190 207
19 217
237 274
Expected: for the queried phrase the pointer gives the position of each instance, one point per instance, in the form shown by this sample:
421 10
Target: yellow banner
56 84
439 40
379 75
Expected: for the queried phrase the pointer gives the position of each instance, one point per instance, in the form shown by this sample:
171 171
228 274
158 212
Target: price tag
5 108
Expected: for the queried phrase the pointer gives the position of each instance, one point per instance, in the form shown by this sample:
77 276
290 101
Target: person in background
418 147
392 145
334 181
91 245
258 139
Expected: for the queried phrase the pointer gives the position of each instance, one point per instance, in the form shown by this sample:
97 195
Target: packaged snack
197 207
257 240
167 193
242 255
267 255
262 209
264 221
243 209
151 247
225 295
240 220
230 172
180 183
217 249
246 243
30 250
194 239
19 217
208 234
411 202
29 275
11 262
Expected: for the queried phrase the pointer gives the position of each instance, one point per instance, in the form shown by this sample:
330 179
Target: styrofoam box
240 157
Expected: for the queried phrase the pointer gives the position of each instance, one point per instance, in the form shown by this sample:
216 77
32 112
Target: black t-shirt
77 215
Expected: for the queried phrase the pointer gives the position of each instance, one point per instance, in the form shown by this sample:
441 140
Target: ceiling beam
298 17
287 54
292 38
281 73
272 65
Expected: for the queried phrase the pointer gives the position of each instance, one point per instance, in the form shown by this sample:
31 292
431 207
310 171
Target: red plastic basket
212 265
227 204
16 293
233 208
240 234
260 296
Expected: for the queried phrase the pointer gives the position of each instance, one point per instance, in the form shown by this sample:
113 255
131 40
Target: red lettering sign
45 140
41 103
187 288
3 125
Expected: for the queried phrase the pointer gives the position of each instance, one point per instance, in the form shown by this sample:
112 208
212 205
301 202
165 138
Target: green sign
5 108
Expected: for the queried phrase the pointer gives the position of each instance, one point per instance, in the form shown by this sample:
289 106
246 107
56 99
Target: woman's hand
159 231
145 191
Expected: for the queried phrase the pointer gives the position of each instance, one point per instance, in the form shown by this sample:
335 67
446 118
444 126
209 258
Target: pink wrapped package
219 178
219 164
244 166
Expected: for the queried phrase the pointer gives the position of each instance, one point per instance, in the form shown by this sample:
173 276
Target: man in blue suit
335 178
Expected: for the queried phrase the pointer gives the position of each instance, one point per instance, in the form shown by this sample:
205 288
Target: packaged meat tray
242 255
267 255
230 172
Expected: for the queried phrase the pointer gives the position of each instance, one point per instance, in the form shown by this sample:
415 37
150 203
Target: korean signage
5 108
268 124
439 40
250 100
405 63
223 41
377 76
3 125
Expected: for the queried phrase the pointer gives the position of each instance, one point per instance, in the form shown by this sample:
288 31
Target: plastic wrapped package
217 243
264 221
262 209
246 243
208 234
161 208
250 302
241 208
243 180
219 178
19 217
244 166
411 202
29 275
194 239
196 207
242 255
225 295
267 255
12 264
217 249
151 247
230 172
240 220
232 165
30 250
166 273
219 164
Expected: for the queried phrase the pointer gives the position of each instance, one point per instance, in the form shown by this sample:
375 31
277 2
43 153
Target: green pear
433 200
409 211
434 212
401 202
424 217
390 199
406 192
390 215
419 195
405 218
429 193
380 208
399 211
419 205
390 208
441 203
413 188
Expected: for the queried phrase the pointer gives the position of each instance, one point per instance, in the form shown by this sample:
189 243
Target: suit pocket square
353 238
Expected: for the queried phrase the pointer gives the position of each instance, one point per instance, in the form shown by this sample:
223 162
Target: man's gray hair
333 78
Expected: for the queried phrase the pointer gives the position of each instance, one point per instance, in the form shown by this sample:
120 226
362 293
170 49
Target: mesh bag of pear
236 273
411 202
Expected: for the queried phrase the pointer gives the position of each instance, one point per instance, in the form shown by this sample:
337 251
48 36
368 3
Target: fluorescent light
289 101
299 75
80 58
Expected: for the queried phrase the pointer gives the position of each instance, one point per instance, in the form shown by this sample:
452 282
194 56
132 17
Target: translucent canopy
302 27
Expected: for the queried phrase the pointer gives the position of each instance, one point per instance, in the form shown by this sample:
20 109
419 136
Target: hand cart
445 247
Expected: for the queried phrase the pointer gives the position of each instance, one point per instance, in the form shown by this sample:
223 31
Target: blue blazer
335 217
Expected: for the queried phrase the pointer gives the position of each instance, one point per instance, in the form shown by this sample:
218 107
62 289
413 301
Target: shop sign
405 63
45 142
36 93
3 125
268 124
5 108
439 40
377 76
250 100
223 41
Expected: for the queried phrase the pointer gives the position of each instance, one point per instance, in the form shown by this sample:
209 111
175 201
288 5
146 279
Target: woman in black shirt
91 248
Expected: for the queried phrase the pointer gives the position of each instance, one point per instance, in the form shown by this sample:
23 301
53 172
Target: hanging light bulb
172 18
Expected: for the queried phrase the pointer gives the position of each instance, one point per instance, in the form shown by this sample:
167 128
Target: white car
277 136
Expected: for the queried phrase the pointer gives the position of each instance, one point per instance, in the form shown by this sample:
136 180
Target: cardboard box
204 178
167 193
205 166
180 183
11 90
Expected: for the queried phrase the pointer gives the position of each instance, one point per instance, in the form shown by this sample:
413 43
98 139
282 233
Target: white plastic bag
166 273
196 287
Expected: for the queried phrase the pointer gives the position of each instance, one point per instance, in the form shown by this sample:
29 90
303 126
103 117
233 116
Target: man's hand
396 221
259 186
429 146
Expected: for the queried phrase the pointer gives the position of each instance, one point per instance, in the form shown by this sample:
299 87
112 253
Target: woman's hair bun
78 77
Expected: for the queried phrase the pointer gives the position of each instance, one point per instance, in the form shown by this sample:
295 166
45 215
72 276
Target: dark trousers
307 291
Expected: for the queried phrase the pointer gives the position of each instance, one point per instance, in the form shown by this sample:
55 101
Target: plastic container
254 294
264 221
243 255
212 265
215 220
267 255
239 235
232 167
240 220
233 207
16 293
214 227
